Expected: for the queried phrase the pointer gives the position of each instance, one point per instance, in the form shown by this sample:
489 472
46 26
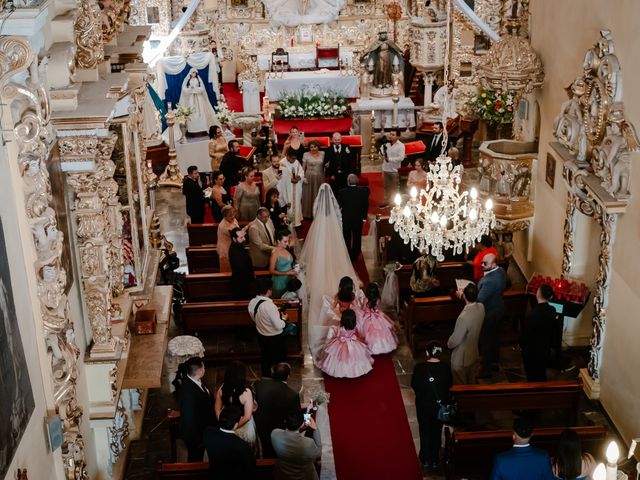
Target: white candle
612 454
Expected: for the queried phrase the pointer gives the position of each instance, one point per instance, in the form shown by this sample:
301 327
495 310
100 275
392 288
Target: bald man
490 289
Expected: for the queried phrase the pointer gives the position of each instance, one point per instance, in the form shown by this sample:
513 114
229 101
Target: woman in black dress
431 382
219 196
277 213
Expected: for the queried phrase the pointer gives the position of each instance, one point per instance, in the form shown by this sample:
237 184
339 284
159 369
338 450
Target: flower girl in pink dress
374 326
344 355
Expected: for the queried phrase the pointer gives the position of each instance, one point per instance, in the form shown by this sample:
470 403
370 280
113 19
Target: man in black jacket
337 163
194 195
276 402
230 457
354 202
536 336
231 165
197 409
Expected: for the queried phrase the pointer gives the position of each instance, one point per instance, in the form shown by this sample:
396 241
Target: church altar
318 80
302 59
383 108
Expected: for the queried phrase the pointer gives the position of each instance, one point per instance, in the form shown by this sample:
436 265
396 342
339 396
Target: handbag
446 411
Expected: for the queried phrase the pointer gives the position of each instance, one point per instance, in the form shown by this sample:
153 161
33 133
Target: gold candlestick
372 141
171 177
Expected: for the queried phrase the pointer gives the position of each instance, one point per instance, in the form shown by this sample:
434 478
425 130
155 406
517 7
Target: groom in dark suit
337 163
354 203
522 462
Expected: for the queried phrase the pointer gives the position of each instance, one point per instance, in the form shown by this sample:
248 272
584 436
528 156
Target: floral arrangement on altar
493 106
224 114
319 105
183 113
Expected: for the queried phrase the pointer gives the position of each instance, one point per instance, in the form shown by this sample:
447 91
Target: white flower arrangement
183 113
322 105
225 115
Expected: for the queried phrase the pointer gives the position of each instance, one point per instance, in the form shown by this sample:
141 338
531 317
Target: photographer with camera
297 446
271 325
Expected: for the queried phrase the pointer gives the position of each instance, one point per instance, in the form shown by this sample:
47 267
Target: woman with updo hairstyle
220 198
313 165
344 355
228 223
246 198
431 382
374 326
277 213
281 264
217 146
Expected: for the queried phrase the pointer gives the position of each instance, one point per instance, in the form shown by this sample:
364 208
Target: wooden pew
211 287
446 309
446 272
471 454
213 316
206 234
203 260
200 470
557 394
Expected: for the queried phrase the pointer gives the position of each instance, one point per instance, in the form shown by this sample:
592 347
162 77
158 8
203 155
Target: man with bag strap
270 325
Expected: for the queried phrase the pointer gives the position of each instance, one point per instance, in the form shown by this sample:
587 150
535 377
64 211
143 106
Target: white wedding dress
326 260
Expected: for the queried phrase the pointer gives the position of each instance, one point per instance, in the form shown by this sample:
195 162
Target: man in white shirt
261 235
393 155
270 326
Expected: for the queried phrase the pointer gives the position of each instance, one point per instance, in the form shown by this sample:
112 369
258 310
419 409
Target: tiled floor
154 444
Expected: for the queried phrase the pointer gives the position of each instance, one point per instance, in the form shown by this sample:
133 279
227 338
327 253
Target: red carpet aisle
233 97
377 192
369 428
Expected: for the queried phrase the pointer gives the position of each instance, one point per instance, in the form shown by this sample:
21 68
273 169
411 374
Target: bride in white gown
326 261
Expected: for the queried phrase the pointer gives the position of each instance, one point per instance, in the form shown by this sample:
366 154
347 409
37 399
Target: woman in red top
485 247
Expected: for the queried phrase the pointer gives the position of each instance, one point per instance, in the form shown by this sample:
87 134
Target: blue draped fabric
159 104
174 86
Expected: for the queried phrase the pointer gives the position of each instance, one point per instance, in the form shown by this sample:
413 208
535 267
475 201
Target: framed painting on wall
550 171
15 387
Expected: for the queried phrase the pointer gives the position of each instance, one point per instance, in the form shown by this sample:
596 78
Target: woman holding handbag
431 382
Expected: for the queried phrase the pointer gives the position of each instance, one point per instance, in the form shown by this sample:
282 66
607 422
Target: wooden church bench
211 287
205 234
203 260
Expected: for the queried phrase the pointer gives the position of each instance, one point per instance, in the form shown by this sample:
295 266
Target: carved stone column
569 229
88 38
87 159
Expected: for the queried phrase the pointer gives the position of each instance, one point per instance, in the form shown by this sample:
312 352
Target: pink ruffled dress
345 355
376 329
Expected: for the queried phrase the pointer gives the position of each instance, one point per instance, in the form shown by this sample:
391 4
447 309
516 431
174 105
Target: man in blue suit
490 289
522 462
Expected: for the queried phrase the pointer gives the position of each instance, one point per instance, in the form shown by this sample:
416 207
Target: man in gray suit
464 339
261 235
296 451
490 289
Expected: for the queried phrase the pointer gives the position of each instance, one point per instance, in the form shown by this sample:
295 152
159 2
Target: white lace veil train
326 260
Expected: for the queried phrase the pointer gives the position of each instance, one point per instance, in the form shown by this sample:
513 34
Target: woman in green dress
281 264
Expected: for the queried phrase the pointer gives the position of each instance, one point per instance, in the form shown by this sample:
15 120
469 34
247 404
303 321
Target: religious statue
291 13
382 59
195 97
568 126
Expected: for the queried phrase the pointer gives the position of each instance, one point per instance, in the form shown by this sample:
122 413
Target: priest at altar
291 188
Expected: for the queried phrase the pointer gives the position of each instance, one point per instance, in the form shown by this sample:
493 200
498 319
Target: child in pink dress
344 355
374 326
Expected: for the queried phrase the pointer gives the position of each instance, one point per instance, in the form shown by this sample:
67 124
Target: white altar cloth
322 81
299 60
194 152
384 111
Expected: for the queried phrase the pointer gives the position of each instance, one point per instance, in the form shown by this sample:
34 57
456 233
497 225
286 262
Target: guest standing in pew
435 142
261 239
231 165
570 463
354 204
229 455
522 462
196 409
297 447
431 382
193 191
271 176
242 274
490 292
536 336
276 401
270 325
464 339
227 224
277 212
337 163
281 264
220 198
235 392
246 198
483 247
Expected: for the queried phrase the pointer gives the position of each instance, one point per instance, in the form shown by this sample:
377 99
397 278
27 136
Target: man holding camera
297 447
270 324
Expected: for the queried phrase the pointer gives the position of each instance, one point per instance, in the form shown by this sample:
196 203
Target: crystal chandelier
441 217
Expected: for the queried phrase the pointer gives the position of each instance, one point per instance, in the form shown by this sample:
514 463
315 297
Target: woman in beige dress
246 198
217 147
228 223
220 198
294 143
313 165
418 177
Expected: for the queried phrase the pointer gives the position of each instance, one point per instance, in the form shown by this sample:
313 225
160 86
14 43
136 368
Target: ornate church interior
142 140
